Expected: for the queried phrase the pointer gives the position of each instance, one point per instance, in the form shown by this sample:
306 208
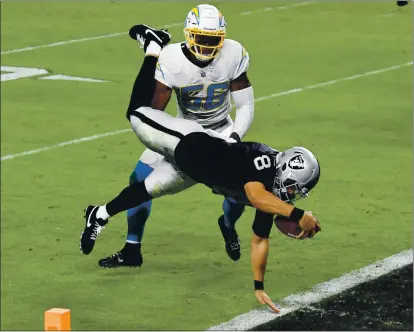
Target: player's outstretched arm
265 201
259 252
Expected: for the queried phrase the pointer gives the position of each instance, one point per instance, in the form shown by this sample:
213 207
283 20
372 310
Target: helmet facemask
204 31
204 45
289 190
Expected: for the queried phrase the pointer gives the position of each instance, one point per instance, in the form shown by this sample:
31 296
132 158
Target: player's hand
309 225
263 298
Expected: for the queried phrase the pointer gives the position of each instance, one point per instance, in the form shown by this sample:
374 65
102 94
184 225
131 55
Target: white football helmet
297 172
204 31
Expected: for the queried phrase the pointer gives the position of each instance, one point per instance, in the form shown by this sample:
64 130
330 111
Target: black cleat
402 3
130 256
231 239
92 229
145 34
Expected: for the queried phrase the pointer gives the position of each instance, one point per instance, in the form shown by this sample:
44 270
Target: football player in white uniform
204 71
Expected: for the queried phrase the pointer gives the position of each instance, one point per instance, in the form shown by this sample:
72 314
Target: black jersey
226 167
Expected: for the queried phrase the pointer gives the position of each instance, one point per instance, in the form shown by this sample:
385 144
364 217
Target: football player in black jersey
249 172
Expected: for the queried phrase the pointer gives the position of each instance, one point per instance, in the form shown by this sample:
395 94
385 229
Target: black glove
235 136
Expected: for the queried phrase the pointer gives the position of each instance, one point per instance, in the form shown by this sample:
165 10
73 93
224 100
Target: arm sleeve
244 102
144 86
262 224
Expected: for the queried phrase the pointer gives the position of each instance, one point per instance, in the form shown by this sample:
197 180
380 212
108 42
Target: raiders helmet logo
296 162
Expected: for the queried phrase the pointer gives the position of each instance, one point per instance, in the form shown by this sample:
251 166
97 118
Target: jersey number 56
216 96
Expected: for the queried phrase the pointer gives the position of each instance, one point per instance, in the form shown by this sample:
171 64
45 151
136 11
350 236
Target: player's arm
265 201
162 96
242 95
259 251
143 89
164 82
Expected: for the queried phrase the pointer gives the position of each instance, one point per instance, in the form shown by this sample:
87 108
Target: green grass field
361 131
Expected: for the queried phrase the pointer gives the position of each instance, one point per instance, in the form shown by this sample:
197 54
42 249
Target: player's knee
140 172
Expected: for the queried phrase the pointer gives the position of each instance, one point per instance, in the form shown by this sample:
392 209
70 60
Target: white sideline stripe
254 318
31 48
284 93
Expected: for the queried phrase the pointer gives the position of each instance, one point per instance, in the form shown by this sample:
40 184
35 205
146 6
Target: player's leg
138 215
165 179
130 254
232 212
160 131
142 93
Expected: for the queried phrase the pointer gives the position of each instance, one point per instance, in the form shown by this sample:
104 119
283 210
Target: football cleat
127 256
145 34
231 239
92 229
402 3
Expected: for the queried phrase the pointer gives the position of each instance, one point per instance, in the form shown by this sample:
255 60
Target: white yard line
65 42
74 141
374 72
275 95
388 15
268 9
318 293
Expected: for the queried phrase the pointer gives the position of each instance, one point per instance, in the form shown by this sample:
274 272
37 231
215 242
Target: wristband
258 285
296 214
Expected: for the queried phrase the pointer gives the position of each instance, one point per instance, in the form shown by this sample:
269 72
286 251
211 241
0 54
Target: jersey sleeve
262 224
162 73
242 63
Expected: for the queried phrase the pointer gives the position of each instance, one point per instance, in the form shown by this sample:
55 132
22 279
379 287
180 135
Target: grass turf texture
360 130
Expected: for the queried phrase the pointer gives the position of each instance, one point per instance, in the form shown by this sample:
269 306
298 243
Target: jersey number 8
262 162
216 96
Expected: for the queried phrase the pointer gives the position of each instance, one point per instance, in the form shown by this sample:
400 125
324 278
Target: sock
153 49
102 213
130 197
132 248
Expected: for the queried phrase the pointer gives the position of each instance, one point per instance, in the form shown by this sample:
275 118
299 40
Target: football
287 227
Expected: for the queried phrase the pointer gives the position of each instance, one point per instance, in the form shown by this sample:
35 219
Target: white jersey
203 94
